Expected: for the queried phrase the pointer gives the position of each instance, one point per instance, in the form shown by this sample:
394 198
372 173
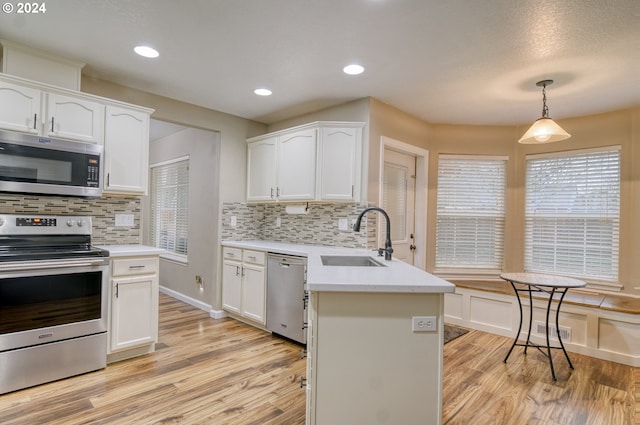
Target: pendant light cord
545 110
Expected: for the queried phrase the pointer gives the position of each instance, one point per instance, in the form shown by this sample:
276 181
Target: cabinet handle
277 192
303 381
252 257
271 193
242 274
35 120
352 191
108 175
237 270
231 254
52 121
117 285
137 267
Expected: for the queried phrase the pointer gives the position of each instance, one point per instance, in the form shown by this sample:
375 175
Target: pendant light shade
544 130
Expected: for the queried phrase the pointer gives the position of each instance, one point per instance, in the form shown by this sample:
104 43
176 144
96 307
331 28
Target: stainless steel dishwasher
286 304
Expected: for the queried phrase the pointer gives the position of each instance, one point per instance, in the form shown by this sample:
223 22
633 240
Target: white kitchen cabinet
74 118
134 305
261 166
126 150
296 165
282 167
320 161
364 344
244 283
20 108
339 170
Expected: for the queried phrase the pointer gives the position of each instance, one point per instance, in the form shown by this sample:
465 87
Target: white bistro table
552 285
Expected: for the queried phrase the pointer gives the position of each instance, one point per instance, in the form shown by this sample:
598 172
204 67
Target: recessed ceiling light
353 69
262 92
146 51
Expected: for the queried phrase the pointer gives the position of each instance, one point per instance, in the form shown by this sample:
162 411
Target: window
572 213
170 207
470 213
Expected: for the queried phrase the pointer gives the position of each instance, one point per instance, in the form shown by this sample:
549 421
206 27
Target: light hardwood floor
223 372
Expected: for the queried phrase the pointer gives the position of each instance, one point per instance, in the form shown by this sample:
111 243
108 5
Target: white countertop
129 250
397 276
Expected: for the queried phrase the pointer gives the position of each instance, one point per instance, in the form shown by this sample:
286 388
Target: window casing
170 207
572 213
470 213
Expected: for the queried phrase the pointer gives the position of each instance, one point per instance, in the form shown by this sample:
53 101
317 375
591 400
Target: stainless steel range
53 300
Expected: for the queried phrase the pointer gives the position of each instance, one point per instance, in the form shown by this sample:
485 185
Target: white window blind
470 213
170 206
572 213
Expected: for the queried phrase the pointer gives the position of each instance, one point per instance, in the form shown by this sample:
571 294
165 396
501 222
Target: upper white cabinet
19 108
126 150
282 167
261 163
73 118
339 169
296 166
315 162
32 110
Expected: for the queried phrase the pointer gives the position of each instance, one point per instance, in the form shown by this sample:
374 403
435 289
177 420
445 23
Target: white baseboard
214 314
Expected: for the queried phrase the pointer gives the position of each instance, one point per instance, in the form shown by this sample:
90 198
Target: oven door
42 305
41 165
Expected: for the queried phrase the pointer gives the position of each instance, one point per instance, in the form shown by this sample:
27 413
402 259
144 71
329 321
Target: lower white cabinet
134 305
244 283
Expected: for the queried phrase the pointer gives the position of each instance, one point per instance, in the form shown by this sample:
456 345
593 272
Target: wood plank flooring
223 372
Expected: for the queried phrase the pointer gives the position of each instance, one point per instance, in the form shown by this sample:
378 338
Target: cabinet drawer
255 257
133 266
232 254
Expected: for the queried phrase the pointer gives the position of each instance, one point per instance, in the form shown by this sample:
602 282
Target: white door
398 200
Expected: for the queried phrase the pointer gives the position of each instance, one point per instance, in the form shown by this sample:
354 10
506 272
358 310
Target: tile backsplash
102 210
319 226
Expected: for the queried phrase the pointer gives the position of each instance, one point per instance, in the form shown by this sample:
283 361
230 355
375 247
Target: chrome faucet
387 243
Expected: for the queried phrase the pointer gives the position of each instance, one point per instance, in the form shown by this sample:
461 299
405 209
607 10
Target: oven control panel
36 221
18 224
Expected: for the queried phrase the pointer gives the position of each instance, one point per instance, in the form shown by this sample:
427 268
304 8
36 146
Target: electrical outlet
342 224
233 221
199 281
278 222
424 324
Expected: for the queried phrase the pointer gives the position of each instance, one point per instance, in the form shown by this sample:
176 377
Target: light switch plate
124 220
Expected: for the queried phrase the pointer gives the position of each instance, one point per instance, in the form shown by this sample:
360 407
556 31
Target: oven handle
36 265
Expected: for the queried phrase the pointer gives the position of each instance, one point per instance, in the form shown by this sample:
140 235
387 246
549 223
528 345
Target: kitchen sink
350 261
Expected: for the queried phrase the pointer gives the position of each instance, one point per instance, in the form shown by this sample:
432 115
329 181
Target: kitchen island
374 338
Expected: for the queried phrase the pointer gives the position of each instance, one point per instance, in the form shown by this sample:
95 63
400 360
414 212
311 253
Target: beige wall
608 129
233 130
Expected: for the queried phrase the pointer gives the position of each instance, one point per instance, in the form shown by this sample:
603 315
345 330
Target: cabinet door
126 152
19 108
253 292
261 170
74 119
232 286
338 165
134 312
297 166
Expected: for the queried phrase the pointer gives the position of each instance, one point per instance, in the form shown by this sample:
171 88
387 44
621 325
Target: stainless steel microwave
34 164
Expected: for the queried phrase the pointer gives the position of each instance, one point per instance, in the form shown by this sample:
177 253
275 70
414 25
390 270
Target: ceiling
445 61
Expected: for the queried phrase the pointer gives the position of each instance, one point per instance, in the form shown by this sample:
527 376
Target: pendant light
544 130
